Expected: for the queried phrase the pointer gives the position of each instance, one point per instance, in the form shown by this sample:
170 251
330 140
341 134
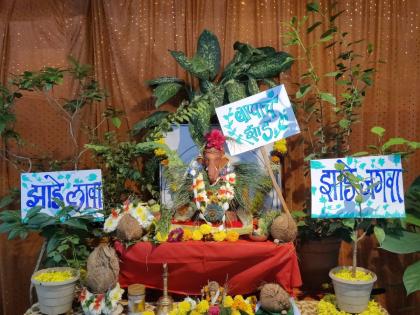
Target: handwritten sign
81 189
257 120
381 183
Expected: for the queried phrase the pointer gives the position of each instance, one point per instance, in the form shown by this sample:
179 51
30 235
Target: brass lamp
165 302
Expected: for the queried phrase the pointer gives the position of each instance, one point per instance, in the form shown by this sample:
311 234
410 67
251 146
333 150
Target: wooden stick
273 179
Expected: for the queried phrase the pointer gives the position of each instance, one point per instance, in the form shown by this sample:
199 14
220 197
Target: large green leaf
196 66
209 50
328 97
253 86
165 92
411 278
393 141
235 90
162 80
402 243
271 66
378 130
150 121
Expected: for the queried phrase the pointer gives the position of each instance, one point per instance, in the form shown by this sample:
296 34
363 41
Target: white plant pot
55 297
352 296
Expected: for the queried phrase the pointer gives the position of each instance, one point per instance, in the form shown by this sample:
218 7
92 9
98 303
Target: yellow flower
280 146
219 236
161 237
235 312
203 306
184 306
232 236
173 312
188 235
148 313
161 141
160 152
228 301
54 276
347 275
205 229
197 235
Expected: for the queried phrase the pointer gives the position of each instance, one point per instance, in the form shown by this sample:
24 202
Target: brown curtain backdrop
128 42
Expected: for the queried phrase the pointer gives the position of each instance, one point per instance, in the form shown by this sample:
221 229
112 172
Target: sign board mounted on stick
81 189
380 179
256 121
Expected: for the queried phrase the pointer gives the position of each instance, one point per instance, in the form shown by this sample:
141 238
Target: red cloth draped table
245 264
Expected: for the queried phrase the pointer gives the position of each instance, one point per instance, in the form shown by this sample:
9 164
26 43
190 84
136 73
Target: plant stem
355 242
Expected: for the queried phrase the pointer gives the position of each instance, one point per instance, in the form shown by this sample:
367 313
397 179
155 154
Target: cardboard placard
332 198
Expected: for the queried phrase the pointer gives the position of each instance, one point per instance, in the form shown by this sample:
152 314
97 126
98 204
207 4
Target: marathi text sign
81 189
257 120
382 186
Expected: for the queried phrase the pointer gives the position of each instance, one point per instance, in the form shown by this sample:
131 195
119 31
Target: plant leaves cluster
242 77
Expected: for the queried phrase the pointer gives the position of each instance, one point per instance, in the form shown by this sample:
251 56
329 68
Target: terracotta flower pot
317 258
352 296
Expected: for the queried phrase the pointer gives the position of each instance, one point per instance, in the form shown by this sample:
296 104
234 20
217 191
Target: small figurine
213 293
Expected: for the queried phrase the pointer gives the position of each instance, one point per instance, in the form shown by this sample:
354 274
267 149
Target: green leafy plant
406 241
327 116
64 234
242 77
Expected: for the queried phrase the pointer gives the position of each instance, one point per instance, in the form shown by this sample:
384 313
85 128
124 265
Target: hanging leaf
362 153
377 130
313 26
411 278
162 80
402 243
165 92
393 141
303 90
328 97
370 48
253 86
271 66
116 121
344 123
326 38
332 74
236 91
379 234
333 17
209 51
150 122
312 7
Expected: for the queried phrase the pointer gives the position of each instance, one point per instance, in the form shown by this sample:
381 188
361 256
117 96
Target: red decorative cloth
245 264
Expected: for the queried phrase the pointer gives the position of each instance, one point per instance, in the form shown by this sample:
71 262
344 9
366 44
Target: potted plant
55 289
326 117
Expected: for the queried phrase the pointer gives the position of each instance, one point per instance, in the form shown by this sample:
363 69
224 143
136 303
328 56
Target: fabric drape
128 43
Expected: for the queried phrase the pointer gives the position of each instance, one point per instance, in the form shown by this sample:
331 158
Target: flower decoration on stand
96 304
203 232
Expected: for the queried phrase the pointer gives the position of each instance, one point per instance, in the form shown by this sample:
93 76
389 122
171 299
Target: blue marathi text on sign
381 183
257 120
81 189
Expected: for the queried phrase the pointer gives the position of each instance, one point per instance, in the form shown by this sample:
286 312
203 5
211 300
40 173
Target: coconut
274 299
129 229
102 269
284 228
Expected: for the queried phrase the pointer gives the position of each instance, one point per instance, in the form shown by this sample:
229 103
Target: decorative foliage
105 303
240 79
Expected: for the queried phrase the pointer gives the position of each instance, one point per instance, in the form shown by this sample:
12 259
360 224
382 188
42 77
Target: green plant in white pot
352 284
55 289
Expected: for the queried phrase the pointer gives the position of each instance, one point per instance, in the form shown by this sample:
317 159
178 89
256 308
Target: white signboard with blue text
257 120
81 189
382 186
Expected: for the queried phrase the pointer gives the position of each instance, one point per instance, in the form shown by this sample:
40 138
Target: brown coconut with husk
102 269
284 228
274 299
129 229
